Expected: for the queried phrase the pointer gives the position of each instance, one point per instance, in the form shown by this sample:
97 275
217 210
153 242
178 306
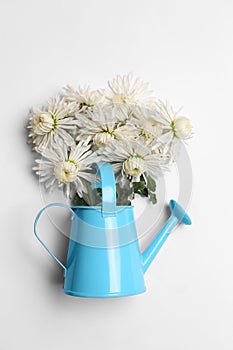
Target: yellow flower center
66 171
121 98
134 166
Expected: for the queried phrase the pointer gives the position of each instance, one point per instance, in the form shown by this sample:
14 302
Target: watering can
103 258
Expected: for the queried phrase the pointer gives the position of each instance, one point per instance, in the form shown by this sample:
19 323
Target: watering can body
103 258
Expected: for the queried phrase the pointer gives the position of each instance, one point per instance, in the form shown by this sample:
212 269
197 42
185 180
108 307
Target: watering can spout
178 214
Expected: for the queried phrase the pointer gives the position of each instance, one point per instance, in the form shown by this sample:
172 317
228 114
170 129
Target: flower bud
182 127
43 123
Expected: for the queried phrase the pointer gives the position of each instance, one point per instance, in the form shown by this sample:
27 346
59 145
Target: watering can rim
99 207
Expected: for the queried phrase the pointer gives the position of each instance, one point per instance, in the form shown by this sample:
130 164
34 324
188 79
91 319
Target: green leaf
141 187
144 192
99 191
151 184
138 186
79 201
152 197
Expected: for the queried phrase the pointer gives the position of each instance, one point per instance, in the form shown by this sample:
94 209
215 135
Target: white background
185 50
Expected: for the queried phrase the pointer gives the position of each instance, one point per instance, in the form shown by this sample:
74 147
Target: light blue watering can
103 258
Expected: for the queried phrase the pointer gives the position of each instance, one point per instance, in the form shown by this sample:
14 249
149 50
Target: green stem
90 194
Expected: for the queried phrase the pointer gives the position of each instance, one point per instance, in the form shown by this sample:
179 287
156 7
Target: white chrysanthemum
104 124
66 168
147 122
174 126
128 90
133 159
48 125
127 131
84 97
96 126
121 113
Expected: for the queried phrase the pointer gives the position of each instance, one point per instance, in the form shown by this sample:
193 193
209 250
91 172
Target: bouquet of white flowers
123 125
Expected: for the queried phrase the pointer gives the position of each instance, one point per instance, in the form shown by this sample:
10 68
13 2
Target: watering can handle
35 229
108 185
